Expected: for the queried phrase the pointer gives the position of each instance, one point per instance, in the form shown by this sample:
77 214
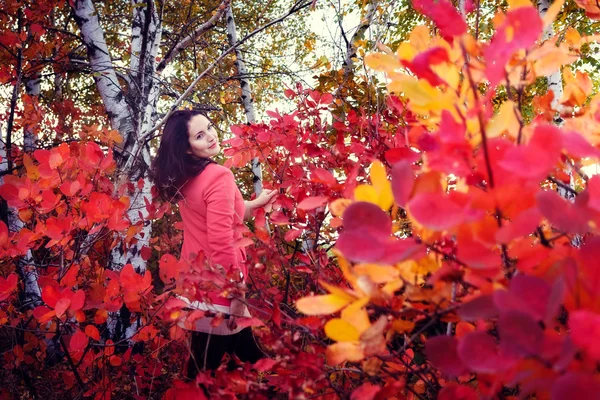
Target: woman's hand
236 309
264 199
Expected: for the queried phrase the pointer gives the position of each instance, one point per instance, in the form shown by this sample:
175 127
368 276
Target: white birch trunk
358 35
29 272
25 266
247 100
104 74
555 84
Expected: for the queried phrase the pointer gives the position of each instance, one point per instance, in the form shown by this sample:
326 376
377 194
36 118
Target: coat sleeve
220 209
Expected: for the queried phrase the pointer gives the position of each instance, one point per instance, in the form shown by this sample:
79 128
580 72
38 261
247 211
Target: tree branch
189 39
297 7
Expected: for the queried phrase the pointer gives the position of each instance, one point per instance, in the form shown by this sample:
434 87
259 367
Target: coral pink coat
213 216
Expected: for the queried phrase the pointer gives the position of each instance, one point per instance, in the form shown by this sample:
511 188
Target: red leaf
78 342
78 300
444 15
520 335
436 211
8 286
578 146
576 385
246 322
367 391
593 188
522 225
585 331
403 181
561 213
50 295
61 306
264 364
359 247
321 175
479 352
43 313
442 353
93 153
276 315
527 294
312 202
146 253
520 29
536 159
292 234
10 193
479 308
398 250
393 156
421 64
70 188
366 217
457 392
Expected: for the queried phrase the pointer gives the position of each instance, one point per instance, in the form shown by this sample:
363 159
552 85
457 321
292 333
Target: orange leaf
344 351
321 305
92 332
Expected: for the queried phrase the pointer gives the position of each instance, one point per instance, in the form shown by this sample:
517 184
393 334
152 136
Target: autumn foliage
442 245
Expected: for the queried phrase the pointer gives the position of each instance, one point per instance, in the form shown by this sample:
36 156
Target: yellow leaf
392 287
32 170
345 268
406 52
357 316
514 4
337 291
377 273
573 38
341 331
321 305
420 37
365 193
420 92
344 351
448 73
383 187
382 62
505 122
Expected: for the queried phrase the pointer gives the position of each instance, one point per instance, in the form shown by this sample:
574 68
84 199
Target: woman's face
203 138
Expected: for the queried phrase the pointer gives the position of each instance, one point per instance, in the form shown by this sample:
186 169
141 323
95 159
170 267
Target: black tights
204 357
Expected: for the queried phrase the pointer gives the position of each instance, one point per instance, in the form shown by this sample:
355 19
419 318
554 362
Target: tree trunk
555 84
104 74
247 100
358 35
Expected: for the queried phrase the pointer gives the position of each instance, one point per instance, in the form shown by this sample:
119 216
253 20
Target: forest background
434 233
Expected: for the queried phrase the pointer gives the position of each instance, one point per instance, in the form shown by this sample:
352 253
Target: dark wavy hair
173 165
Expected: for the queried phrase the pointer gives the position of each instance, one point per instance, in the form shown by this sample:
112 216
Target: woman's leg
206 352
246 348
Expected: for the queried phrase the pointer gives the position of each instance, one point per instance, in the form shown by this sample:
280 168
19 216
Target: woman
213 211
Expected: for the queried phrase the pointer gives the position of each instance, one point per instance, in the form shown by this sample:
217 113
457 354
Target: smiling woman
204 142
213 212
